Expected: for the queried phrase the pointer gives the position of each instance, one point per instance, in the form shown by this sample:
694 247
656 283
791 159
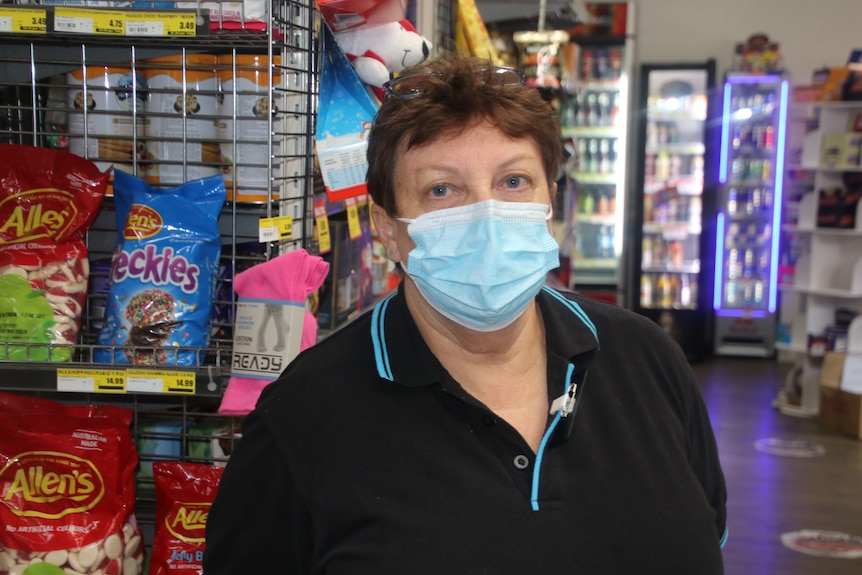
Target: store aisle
769 494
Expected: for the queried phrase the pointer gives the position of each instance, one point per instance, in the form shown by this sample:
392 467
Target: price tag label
354 230
182 382
155 381
324 240
74 20
143 381
161 24
91 380
20 20
274 229
123 23
109 22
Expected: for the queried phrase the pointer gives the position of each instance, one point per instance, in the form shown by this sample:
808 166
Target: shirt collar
402 356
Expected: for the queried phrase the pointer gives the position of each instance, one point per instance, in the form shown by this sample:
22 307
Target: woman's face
482 163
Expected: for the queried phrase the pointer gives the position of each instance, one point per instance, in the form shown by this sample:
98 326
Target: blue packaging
163 272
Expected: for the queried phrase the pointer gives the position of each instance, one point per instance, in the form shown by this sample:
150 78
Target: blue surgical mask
481 265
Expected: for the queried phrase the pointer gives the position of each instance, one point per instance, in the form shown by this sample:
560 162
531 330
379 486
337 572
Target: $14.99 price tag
91 380
154 381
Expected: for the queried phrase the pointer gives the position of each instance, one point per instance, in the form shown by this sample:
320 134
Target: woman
438 434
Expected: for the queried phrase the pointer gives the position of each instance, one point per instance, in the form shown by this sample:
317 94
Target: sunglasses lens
408 86
509 76
412 85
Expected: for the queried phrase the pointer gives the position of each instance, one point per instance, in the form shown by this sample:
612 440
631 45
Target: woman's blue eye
439 190
515 181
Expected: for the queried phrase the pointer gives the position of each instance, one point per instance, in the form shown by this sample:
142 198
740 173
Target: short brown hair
457 93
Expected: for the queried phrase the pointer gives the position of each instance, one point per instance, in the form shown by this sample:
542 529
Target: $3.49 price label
23 20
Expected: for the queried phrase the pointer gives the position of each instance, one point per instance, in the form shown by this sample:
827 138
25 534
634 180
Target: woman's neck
505 369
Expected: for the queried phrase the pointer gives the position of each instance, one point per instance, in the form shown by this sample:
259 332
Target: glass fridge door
670 276
676 113
594 122
751 175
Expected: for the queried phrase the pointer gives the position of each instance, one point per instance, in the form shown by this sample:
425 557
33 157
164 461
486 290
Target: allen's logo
34 214
187 521
50 485
142 222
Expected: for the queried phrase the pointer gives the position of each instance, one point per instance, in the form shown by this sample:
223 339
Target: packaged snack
184 495
66 489
163 272
48 200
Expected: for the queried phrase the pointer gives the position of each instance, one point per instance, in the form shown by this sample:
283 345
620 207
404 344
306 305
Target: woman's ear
385 225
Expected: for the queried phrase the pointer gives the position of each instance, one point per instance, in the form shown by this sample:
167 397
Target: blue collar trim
378 338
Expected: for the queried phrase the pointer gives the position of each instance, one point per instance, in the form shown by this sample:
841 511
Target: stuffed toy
379 51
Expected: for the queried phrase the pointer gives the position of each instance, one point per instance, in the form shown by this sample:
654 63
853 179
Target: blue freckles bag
163 272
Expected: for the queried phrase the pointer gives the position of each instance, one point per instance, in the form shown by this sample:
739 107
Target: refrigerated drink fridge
594 114
671 255
751 173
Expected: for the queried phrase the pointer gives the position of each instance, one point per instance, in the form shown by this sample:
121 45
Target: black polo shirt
366 457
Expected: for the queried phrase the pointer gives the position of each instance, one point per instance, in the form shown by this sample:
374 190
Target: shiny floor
768 494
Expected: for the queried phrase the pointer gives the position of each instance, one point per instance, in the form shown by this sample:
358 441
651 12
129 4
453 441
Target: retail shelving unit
827 271
39 47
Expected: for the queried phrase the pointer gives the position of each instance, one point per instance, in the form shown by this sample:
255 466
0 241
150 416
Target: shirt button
490 421
521 461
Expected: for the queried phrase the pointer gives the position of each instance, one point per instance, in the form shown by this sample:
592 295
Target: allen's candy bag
67 496
48 199
184 495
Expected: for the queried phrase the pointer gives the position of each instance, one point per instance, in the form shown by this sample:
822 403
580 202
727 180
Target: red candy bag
48 199
67 488
184 494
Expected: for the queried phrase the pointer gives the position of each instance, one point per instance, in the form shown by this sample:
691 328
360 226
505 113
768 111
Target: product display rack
41 45
822 270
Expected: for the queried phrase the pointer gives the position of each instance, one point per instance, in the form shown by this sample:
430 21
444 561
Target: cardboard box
841 150
840 410
836 208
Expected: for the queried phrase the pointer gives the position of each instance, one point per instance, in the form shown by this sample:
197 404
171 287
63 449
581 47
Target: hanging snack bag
184 495
48 199
163 272
67 489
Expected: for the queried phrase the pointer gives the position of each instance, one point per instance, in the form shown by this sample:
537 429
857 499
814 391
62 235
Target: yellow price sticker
23 20
275 229
91 380
182 382
354 230
160 381
161 23
111 23
324 239
88 21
